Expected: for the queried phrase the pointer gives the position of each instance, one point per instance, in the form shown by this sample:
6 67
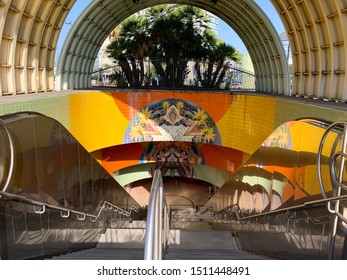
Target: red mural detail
121 156
126 155
173 158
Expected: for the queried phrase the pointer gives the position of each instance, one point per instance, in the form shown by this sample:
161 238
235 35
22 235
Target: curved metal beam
318 35
245 17
29 34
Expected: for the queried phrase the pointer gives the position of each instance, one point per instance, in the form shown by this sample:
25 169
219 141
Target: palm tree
177 36
216 55
116 51
133 37
194 21
222 52
174 34
131 45
204 53
164 34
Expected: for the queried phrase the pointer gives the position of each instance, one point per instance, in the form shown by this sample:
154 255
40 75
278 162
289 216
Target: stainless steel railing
10 171
337 162
41 207
157 230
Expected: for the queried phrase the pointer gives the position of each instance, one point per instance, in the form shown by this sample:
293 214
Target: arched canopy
317 32
29 34
245 17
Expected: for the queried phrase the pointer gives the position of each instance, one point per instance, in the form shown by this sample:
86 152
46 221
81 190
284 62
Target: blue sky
225 32
230 37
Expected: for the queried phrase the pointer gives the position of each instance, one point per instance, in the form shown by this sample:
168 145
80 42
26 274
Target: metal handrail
10 171
66 212
336 181
317 202
320 153
157 229
337 127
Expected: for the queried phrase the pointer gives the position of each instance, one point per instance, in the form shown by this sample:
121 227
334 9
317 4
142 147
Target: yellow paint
248 122
309 137
95 120
311 183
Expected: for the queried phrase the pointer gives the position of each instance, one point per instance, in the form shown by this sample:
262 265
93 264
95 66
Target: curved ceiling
317 32
29 33
245 17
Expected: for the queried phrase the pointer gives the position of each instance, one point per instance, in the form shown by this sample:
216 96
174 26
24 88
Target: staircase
128 244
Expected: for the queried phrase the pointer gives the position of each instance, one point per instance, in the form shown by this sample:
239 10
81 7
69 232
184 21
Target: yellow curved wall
100 119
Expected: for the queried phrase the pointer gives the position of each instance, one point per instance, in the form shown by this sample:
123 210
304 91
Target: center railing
157 230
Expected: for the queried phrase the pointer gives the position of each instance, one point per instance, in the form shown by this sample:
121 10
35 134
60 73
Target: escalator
278 201
55 198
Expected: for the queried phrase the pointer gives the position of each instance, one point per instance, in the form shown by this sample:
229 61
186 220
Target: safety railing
181 74
336 165
41 207
336 168
157 229
235 208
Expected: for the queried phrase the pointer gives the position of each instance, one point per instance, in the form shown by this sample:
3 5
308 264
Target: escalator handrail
320 153
11 167
20 114
321 122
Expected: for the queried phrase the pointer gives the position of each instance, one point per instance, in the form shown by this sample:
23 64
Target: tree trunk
216 73
160 71
181 72
222 74
198 72
123 62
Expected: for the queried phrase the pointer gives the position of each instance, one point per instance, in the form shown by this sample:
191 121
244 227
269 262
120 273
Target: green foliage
170 36
118 78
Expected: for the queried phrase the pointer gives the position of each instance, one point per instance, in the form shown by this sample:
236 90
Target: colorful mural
172 120
174 159
132 124
104 119
281 137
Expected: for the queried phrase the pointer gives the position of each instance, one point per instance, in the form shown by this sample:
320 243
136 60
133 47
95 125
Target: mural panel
172 120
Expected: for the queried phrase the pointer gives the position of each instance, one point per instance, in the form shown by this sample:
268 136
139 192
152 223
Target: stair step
104 254
210 254
173 254
128 244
